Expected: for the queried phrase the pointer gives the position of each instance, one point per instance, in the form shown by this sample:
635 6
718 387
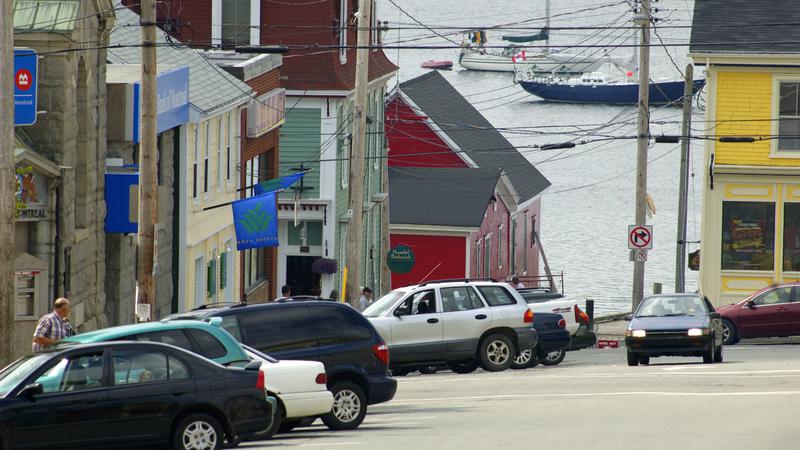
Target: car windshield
667 306
383 304
17 371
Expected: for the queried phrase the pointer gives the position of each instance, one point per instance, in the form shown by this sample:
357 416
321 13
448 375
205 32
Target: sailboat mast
547 26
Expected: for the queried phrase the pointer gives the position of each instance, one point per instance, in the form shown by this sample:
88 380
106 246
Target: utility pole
680 251
643 19
356 205
148 165
7 177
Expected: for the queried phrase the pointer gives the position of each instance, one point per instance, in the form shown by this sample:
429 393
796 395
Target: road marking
596 394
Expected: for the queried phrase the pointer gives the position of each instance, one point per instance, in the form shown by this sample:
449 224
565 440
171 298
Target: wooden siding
449 253
300 141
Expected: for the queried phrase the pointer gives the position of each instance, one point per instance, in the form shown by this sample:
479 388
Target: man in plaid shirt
53 327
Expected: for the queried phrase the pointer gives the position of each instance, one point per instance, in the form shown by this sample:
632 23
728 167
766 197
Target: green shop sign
401 259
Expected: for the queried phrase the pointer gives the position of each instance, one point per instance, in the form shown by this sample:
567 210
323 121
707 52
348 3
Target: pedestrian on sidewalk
53 327
517 284
366 298
334 295
286 293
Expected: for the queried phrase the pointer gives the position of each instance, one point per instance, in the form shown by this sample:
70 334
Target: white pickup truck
544 300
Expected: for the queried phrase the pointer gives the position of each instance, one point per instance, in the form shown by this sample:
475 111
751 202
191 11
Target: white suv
460 322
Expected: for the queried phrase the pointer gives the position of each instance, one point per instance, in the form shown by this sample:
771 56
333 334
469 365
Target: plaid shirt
51 326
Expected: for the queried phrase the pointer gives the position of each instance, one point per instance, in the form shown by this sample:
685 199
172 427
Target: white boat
511 59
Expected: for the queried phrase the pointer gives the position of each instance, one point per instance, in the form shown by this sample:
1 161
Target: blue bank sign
25 86
173 101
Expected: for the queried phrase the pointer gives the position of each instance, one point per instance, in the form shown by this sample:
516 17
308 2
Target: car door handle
433 320
480 316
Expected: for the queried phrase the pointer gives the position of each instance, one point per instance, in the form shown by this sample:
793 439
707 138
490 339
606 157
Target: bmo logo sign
26 63
23 79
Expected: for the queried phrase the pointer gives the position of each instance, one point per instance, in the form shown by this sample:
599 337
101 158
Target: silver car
464 324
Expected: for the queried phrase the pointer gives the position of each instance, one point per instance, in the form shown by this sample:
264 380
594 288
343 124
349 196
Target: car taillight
321 378
381 352
580 316
261 383
562 323
528 317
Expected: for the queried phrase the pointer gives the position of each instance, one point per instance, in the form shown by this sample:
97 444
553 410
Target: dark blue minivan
355 357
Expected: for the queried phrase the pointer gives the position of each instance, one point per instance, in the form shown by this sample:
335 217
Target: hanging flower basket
324 265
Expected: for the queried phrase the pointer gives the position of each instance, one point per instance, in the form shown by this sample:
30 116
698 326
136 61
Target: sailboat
474 54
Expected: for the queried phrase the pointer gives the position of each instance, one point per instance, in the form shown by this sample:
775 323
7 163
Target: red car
771 312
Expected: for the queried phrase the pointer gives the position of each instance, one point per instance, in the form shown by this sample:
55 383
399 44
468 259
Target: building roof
454 197
52 15
244 66
745 27
210 88
473 134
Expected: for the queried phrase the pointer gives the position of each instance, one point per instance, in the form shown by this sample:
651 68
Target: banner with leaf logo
256 222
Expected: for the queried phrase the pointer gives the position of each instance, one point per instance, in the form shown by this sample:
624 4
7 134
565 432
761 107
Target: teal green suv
204 338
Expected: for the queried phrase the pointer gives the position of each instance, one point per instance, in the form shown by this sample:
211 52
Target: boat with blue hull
661 93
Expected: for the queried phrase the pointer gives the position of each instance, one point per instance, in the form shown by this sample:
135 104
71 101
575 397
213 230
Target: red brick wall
449 253
265 82
408 133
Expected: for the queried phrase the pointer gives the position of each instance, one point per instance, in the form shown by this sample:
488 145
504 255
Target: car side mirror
714 315
628 317
750 304
31 391
399 312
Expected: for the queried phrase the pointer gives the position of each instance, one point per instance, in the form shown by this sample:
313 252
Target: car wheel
526 359
708 356
633 359
729 334
273 428
463 367
289 425
644 360
349 406
428 370
496 353
554 358
198 432
718 354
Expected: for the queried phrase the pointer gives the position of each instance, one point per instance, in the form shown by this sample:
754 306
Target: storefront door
299 275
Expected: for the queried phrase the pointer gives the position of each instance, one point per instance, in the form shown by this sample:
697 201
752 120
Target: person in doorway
316 293
517 284
366 298
334 295
286 293
53 327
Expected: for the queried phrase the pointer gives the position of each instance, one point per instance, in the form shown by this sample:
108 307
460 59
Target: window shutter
223 270
212 278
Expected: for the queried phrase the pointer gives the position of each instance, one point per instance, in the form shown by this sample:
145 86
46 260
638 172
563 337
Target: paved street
593 400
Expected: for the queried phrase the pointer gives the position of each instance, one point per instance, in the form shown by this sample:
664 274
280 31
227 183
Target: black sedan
674 325
122 393
554 341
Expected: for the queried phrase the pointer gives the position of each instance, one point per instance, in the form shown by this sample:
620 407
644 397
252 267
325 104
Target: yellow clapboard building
751 199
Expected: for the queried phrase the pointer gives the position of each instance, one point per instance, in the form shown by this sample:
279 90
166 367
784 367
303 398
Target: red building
429 124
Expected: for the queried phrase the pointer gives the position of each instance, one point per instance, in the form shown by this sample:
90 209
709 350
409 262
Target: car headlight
637 333
697 331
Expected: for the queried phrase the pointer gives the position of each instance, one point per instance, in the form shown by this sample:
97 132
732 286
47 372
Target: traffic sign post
640 237
26 63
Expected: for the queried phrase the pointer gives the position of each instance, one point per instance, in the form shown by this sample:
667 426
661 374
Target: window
500 246
231 138
220 155
748 235
422 302
459 299
195 181
172 337
373 23
235 23
478 246
513 246
487 256
276 329
496 295
346 144
789 115
336 326
774 297
205 159
207 345
791 237
343 16
140 366
231 325
266 113
76 373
